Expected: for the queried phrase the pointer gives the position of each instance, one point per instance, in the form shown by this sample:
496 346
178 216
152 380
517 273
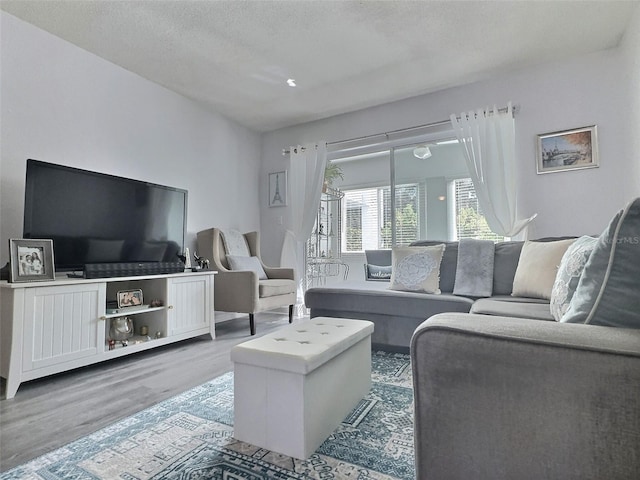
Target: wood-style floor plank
50 412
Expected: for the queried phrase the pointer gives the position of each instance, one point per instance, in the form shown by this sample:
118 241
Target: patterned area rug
190 437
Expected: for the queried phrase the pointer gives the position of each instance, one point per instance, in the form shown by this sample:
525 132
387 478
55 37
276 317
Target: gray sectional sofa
500 394
396 314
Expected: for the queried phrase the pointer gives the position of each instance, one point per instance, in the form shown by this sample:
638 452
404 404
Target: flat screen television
95 218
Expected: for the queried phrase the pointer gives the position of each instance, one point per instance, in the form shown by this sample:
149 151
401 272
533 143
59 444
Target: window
368 217
469 219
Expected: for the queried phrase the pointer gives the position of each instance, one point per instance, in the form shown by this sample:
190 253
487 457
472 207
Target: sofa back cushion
447 266
505 263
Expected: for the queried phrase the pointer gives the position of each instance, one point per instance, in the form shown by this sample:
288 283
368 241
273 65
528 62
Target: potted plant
331 173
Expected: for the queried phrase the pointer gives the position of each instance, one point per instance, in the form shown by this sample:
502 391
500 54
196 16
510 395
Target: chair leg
252 324
290 313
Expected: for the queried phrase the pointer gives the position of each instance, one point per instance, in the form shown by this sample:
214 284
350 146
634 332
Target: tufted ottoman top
302 348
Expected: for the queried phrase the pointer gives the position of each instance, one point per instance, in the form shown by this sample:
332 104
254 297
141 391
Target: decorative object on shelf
158 334
129 298
203 263
121 328
112 344
187 259
156 303
31 260
144 330
568 150
278 189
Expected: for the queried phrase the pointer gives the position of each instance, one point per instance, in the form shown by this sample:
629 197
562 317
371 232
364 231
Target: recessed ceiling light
291 82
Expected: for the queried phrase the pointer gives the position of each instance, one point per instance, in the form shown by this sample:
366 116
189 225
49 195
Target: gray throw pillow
608 292
568 276
240 262
474 271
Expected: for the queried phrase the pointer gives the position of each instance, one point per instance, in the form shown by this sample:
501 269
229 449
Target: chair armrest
500 397
279 273
236 291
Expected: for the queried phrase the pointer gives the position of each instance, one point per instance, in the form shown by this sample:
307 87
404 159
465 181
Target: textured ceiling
234 57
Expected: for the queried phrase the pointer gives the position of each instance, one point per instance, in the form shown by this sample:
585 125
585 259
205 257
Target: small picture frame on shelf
31 260
129 298
278 189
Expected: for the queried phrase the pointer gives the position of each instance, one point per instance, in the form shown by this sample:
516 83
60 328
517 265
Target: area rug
190 437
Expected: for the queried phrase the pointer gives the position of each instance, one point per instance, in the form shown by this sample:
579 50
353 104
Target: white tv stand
54 326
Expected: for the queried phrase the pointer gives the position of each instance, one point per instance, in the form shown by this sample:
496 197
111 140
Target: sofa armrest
282 273
500 397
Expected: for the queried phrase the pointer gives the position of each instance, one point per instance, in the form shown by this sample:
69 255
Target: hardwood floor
50 412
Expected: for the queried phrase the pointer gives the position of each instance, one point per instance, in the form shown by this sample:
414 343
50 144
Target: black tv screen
97 218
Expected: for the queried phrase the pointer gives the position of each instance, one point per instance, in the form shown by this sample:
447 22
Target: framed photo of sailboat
568 150
278 189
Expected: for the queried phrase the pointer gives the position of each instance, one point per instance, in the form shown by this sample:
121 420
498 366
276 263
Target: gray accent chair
240 290
511 398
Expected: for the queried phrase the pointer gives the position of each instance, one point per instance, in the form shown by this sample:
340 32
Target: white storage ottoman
293 387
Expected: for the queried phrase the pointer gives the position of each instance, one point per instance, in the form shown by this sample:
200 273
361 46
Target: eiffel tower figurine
276 196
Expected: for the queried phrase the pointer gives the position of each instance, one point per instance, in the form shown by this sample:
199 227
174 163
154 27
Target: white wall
631 75
563 95
64 105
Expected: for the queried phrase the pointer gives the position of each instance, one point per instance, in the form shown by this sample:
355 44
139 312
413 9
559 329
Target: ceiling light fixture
291 82
422 152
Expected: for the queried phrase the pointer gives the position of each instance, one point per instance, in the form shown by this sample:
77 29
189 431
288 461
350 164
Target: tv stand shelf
54 326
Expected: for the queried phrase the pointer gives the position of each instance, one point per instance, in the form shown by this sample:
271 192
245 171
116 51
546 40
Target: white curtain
488 140
305 187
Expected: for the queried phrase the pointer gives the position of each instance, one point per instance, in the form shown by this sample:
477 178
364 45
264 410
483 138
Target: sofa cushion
416 268
537 268
505 263
569 272
271 288
524 308
448 265
240 262
474 271
608 290
351 298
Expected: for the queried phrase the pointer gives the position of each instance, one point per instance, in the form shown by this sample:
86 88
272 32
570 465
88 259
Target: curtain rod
514 109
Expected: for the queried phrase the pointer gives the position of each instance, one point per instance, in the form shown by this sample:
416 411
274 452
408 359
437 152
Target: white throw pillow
240 262
569 272
234 243
416 269
538 267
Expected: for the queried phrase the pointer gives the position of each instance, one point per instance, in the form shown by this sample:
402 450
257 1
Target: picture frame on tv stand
31 260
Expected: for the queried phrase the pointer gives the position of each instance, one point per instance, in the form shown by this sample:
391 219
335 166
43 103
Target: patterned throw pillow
416 269
569 272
